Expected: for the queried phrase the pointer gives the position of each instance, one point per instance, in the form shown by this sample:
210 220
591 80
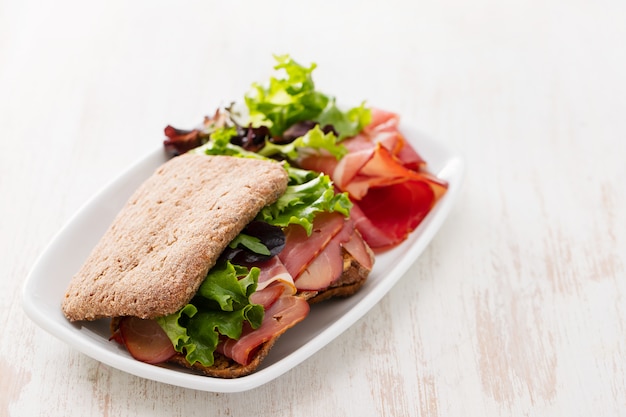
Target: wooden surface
518 307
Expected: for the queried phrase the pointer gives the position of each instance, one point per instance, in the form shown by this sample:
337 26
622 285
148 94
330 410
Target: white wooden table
518 307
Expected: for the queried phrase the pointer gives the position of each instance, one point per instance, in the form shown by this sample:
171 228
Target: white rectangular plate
45 286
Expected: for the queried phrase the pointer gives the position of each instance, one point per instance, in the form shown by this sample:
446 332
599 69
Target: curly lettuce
308 194
292 98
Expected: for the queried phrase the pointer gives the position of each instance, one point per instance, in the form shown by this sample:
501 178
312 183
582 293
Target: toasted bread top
158 250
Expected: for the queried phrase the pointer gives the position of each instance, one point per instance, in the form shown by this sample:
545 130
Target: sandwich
214 257
261 212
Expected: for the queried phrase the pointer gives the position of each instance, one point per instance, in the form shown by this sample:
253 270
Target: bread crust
158 250
224 367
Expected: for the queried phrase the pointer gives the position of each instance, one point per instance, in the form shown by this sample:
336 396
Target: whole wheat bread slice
152 259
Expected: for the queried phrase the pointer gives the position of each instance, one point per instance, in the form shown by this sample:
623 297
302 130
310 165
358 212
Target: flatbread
157 252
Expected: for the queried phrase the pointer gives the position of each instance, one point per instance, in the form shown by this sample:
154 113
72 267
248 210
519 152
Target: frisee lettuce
285 101
302 202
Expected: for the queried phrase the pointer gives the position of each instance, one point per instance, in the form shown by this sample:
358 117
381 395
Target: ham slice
327 266
274 272
144 339
284 313
382 169
372 234
316 261
358 249
301 249
382 120
385 121
396 210
268 295
385 178
324 269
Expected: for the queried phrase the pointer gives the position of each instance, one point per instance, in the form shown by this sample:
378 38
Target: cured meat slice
357 248
386 180
284 313
301 249
274 272
144 339
268 295
397 209
327 266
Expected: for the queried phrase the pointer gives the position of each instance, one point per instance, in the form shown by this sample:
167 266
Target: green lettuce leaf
285 101
223 285
175 331
314 139
220 307
219 144
348 123
292 98
251 243
302 201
